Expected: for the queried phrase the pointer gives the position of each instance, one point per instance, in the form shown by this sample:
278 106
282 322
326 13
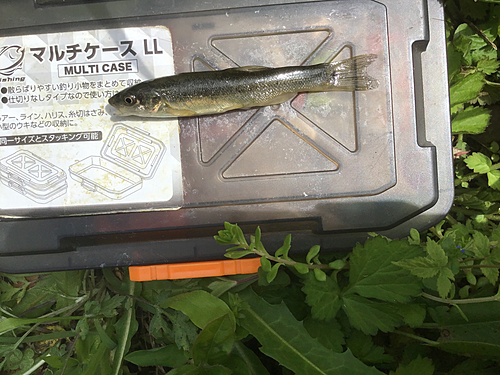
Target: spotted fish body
203 93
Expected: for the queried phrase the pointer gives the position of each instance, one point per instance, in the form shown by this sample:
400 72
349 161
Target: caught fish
203 93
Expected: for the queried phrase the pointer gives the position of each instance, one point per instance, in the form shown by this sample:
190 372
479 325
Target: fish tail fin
351 74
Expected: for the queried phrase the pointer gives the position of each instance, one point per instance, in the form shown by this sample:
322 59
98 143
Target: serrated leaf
169 356
109 305
313 251
466 89
323 297
419 266
328 333
480 245
488 66
472 120
369 316
443 281
200 306
373 274
478 162
286 340
490 273
494 179
364 349
215 341
436 253
413 315
419 366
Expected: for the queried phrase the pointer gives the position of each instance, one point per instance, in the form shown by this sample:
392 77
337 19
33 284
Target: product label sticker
61 149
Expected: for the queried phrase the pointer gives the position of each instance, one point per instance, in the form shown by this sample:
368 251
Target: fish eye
130 100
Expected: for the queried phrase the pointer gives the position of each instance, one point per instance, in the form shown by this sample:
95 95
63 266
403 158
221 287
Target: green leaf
244 361
237 254
414 237
301 268
109 305
478 162
323 297
374 275
319 274
466 89
419 366
490 273
328 333
106 340
413 315
479 336
494 179
472 120
419 266
125 328
283 250
265 264
488 66
183 331
286 340
200 306
370 316
215 342
443 282
169 356
202 369
363 348
337 264
313 251
436 253
13 323
271 275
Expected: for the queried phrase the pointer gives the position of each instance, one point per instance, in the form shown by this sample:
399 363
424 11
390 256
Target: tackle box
327 167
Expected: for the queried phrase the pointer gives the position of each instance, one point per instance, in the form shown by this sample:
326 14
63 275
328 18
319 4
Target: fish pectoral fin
251 68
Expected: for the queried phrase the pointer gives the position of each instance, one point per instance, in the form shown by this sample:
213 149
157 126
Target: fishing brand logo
11 59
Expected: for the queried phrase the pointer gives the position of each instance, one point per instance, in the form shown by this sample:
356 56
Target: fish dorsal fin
251 68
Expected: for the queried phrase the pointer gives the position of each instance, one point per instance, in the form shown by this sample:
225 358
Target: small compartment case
32 176
128 156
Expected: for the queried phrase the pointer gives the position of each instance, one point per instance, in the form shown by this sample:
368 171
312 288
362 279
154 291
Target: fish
219 91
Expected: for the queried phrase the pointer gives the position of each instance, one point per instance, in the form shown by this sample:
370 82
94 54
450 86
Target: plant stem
461 301
289 262
479 266
415 337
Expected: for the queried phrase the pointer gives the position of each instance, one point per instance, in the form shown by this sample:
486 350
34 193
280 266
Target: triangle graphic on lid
279 151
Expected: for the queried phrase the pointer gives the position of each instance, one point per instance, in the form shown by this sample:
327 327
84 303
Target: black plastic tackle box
84 188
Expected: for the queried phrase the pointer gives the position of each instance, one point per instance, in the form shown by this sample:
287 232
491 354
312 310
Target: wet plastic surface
328 167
